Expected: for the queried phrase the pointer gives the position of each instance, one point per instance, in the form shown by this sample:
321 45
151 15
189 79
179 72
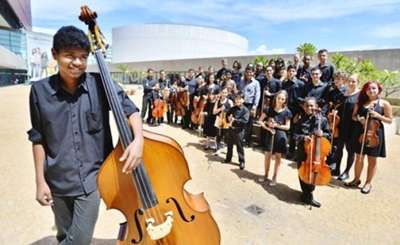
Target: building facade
150 42
15 20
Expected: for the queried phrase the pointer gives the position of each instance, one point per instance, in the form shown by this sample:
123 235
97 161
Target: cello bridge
159 231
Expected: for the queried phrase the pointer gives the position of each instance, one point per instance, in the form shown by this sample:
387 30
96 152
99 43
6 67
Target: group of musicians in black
290 105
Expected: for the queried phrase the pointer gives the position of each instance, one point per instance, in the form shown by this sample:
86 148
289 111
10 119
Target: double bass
158 210
314 169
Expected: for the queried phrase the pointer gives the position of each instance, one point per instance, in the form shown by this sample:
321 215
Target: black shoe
366 189
314 203
344 176
241 165
353 184
227 161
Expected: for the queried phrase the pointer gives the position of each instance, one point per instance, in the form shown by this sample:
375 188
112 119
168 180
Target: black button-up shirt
74 130
241 115
148 85
295 90
304 74
306 126
327 72
319 92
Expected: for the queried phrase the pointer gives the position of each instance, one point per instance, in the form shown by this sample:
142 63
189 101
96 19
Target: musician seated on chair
303 130
71 137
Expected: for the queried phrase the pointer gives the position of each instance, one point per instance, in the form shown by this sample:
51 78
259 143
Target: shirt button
76 132
73 115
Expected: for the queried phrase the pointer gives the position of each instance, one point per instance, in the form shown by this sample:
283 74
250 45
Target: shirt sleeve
128 106
35 134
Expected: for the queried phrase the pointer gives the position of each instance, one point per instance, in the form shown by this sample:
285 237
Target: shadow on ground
281 191
51 240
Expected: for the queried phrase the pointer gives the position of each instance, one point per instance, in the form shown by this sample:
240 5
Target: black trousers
187 121
146 105
307 189
220 137
235 137
336 155
249 125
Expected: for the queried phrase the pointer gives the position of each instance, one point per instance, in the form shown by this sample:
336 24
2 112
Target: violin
333 121
157 208
369 138
220 121
314 169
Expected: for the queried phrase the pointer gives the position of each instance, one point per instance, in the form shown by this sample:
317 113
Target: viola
158 210
370 137
314 169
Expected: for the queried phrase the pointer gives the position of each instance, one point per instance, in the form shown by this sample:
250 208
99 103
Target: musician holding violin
275 120
333 108
370 113
311 133
346 127
221 107
71 137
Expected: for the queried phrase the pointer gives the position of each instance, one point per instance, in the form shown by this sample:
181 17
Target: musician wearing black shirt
327 70
303 131
237 117
304 72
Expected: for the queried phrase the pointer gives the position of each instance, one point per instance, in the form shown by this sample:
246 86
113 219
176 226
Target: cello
158 210
158 107
314 169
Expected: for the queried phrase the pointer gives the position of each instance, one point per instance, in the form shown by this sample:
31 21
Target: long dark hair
363 97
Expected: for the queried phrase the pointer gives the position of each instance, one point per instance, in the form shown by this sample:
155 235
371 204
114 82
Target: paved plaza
246 211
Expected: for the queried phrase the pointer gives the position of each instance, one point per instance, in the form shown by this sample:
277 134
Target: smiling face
72 63
352 82
280 99
373 91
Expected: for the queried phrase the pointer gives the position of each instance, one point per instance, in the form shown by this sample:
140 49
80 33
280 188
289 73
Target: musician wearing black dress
369 112
346 126
275 120
303 131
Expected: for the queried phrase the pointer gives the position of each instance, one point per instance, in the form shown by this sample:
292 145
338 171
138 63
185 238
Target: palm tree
306 49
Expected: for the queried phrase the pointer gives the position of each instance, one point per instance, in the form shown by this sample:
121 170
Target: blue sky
270 26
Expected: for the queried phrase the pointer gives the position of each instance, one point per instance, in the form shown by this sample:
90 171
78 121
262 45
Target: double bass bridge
157 232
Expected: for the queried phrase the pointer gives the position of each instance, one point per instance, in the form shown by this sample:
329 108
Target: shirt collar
55 84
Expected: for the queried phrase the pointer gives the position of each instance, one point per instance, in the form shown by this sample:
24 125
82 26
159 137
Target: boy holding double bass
71 137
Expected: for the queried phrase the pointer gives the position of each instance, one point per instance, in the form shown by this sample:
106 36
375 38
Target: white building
150 42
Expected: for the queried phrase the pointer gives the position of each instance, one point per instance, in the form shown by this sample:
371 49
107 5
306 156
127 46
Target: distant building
15 20
150 42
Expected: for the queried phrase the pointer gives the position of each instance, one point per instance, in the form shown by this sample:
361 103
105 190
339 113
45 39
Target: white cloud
262 49
387 31
277 51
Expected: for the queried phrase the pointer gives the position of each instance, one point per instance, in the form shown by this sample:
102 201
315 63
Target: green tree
366 69
306 49
261 59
